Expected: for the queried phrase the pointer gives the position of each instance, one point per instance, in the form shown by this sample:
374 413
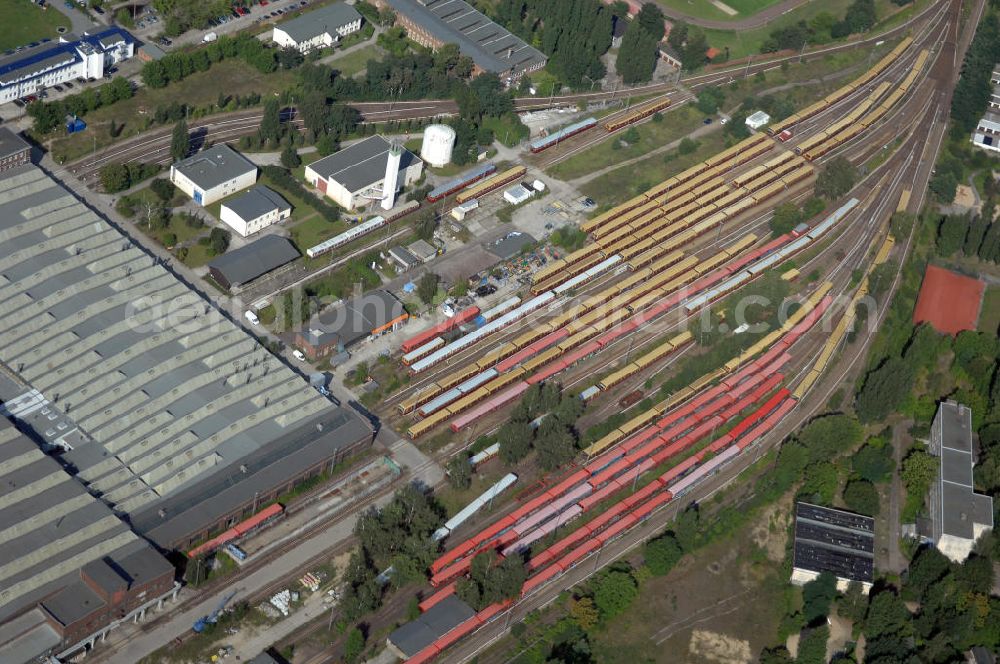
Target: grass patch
742 43
353 63
312 230
134 115
22 23
989 319
676 124
198 255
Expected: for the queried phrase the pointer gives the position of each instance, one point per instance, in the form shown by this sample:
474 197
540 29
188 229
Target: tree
554 443
861 497
270 124
884 389
180 141
854 603
290 57
290 157
829 435
919 470
873 462
613 593
817 595
114 177
460 472
786 217
927 568
514 438
687 146
837 179
354 646
812 645
637 55
661 554
775 655
710 99
584 613
427 287
951 234
218 240
196 571
163 188
651 19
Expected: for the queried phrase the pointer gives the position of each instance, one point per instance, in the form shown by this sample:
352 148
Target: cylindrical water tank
439 141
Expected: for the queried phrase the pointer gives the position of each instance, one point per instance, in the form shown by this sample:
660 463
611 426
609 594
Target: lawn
198 255
676 124
742 43
705 9
22 23
353 63
989 317
233 76
306 226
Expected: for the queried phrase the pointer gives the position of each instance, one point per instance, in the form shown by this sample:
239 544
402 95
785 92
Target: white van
252 317
299 355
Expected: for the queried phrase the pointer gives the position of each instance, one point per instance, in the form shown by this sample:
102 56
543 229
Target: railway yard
604 319
625 323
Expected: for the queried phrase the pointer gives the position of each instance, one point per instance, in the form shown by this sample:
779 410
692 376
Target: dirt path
900 442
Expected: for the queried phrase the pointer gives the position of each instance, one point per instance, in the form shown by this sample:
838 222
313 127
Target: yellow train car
636 115
740 245
636 249
490 184
410 403
418 429
491 357
457 376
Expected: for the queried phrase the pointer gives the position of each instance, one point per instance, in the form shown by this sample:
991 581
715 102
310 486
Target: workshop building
491 47
241 266
354 176
213 174
835 541
340 327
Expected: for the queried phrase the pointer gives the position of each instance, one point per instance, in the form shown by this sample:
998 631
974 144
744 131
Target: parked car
707 121
19 103
57 88
69 86
99 10
299 355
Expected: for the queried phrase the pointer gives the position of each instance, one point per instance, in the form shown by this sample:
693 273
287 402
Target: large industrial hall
168 411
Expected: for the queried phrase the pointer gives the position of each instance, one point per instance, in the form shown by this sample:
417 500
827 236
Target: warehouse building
409 639
319 28
831 540
14 150
241 266
72 569
254 211
492 48
959 515
354 176
213 174
50 63
340 327
173 415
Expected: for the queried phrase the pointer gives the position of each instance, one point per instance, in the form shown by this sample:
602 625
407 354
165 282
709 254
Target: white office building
254 211
319 28
36 68
212 175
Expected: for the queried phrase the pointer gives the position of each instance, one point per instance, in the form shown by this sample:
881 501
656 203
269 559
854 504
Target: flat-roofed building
835 541
71 569
987 133
241 266
409 639
342 326
492 48
51 63
959 515
213 174
254 210
14 150
355 175
318 28
167 410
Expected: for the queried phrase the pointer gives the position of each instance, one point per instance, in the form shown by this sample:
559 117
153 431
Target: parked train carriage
740 245
797 176
632 203
418 429
410 403
495 355
551 268
636 115
491 184
621 220
457 376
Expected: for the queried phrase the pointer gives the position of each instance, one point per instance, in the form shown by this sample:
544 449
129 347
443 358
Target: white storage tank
439 141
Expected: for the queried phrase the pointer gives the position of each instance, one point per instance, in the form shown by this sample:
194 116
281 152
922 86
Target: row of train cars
749 382
751 396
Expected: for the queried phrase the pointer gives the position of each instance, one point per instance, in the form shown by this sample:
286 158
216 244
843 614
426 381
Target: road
79 22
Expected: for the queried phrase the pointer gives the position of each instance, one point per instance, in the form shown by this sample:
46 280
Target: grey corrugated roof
172 395
245 264
256 202
218 164
405 256
491 46
361 165
432 624
323 20
11 143
26 637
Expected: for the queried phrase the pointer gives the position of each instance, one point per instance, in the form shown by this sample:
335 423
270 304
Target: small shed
403 258
423 250
758 120
517 194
